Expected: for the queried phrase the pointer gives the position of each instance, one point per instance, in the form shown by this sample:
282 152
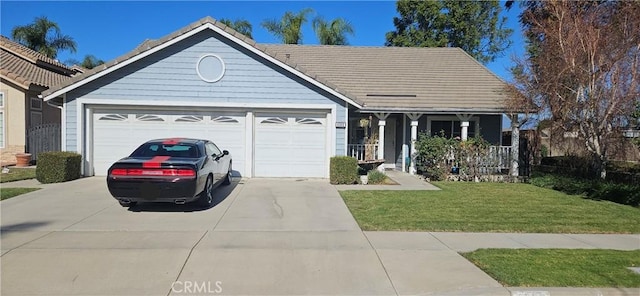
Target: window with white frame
1 119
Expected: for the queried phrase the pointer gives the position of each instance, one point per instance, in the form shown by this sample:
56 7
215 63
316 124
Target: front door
390 143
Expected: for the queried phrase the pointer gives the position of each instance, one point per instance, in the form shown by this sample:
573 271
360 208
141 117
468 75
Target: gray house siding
170 75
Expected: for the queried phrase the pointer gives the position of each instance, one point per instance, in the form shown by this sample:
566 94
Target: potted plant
23 159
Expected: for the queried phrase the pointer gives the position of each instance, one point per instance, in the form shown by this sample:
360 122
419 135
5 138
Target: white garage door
116 133
288 145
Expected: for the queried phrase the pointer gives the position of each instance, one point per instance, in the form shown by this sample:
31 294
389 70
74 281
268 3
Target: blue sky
108 29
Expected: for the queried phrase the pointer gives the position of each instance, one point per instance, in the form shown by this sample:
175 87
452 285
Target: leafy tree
43 36
474 26
89 62
582 69
289 27
332 33
243 26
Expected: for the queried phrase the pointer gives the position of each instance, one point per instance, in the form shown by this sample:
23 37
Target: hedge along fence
58 166
343 170
581 167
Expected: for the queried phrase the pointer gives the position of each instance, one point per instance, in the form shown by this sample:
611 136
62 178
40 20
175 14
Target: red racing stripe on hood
155 162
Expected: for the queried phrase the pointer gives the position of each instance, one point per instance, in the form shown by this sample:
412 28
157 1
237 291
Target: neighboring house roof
403 78
370 78
25 67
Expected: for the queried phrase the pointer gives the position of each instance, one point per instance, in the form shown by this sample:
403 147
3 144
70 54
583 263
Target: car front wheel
206 197
228 177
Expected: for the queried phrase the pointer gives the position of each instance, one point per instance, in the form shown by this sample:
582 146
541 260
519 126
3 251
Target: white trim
187 104
346 129
221 73
187 35
248 144
63 124
89 137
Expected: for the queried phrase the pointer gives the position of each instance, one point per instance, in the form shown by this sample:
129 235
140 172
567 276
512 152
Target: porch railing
499 157
363 152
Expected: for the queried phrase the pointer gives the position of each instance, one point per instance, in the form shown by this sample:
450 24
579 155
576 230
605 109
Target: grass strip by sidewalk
559 267
17 174
488 207
11 192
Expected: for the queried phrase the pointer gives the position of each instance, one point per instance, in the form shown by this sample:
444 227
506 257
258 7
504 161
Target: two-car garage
268 143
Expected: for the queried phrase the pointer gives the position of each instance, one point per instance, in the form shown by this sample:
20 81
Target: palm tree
289 27
241 25
334 33
44 37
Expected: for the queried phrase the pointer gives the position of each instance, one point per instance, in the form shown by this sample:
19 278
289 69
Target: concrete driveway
264 236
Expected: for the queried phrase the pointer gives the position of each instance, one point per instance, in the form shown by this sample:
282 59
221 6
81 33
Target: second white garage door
290 145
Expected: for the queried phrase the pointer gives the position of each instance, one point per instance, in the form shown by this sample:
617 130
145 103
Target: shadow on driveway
26 226
220 194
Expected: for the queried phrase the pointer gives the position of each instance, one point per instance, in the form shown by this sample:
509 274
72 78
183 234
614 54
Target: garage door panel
290 145
116 133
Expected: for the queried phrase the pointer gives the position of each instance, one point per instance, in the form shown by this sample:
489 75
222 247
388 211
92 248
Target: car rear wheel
127 204
206 197
228 177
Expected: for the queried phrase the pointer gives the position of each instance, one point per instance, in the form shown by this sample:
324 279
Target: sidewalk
429 263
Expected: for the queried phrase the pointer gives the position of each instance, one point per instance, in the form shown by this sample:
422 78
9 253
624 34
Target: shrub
593 189
376 177
58 166
343 170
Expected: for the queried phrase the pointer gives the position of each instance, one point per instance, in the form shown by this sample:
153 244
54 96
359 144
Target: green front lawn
17 174
559 268
489 207
11 192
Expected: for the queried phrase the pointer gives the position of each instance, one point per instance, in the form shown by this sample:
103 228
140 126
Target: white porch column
515 145
381 124
414 137
464 125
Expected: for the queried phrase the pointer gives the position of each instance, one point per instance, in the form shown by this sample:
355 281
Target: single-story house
24 74
281 110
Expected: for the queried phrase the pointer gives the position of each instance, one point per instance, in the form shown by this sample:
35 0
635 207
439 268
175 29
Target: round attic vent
210 68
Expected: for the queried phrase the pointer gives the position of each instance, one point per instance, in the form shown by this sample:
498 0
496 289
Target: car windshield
172 150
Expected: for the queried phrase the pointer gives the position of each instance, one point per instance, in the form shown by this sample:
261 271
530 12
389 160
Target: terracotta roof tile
25 67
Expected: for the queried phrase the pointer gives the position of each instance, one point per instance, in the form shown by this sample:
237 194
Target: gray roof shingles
378 78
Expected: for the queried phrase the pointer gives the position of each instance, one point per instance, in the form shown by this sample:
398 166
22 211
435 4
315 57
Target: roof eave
433 110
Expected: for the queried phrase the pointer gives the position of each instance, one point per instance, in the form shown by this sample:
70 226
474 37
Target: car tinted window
157 149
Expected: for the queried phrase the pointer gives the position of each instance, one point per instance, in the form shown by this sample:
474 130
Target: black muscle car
172 170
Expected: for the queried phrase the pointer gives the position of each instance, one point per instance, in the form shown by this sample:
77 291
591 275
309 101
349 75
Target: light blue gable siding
170 75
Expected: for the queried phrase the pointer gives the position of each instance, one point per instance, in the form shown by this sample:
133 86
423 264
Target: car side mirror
225 152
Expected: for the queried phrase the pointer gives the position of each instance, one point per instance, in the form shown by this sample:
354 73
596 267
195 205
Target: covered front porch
388 138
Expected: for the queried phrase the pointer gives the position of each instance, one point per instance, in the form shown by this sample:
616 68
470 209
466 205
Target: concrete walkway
404 180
